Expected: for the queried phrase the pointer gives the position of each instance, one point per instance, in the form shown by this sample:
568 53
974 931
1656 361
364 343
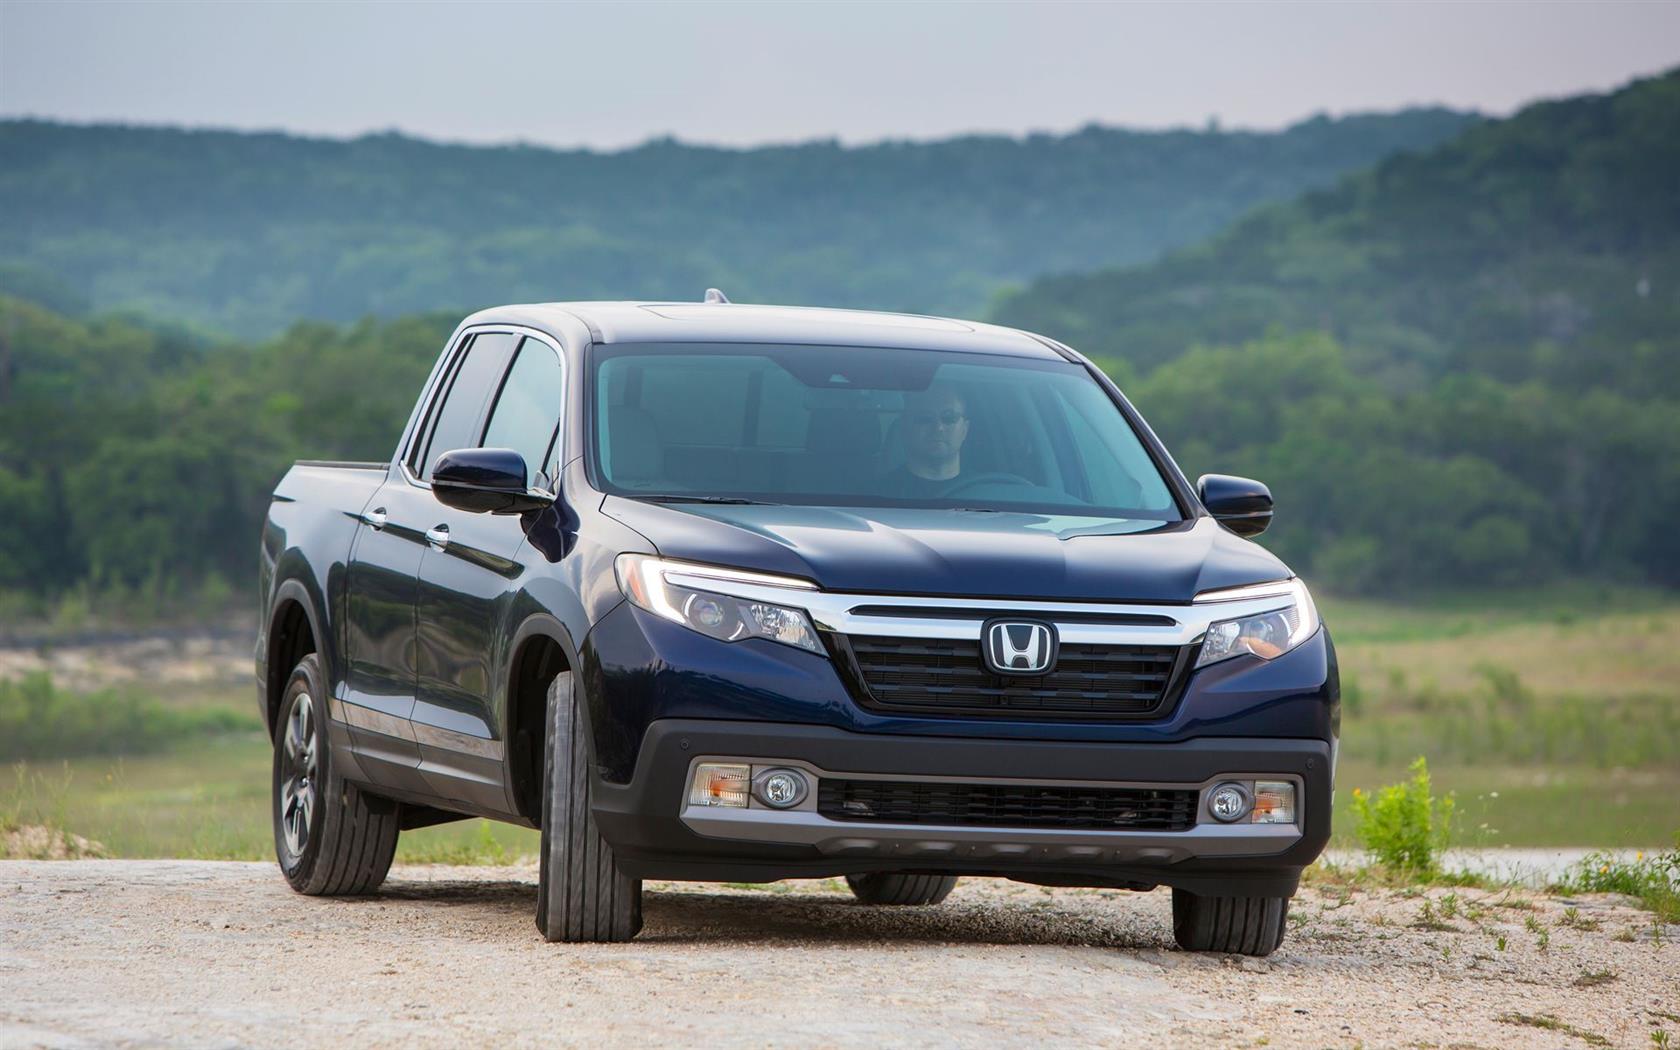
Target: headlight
648 583
1266 634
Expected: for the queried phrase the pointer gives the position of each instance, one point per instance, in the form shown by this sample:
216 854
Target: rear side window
470 388
527 412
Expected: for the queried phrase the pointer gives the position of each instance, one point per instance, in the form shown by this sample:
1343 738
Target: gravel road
193 953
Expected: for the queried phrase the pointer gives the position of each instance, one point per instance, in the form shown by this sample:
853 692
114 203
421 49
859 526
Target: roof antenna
714 295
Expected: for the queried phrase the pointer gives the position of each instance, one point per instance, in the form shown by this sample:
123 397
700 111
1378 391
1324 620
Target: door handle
374 519
438 536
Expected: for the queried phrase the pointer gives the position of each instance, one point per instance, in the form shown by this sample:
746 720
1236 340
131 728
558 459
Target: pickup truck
708 591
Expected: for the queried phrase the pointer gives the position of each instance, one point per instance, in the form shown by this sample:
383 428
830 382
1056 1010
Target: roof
690 322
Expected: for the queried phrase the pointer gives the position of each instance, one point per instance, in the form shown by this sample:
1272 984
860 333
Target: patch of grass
38 720
1575 676
1653 881
1457 614
1552 1024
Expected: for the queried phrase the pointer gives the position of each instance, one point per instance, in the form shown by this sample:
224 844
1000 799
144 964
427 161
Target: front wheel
1239 925
901 888
331 838
581 894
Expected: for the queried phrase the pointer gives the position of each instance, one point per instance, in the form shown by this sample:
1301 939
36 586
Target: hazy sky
744 73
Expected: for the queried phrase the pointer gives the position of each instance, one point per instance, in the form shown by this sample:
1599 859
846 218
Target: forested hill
1544 245
246 233
1460 367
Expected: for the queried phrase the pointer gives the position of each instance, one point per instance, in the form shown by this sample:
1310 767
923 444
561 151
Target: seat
842 448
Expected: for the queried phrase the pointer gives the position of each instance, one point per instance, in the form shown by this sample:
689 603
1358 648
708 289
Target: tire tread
1234 925
582 895
901 888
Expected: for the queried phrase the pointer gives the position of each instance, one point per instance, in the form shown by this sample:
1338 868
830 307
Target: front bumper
656 834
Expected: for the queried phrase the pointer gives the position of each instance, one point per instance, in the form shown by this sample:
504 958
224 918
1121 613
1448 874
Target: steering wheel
995 477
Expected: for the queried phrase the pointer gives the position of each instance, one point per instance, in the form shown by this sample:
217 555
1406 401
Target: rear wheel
897 887
1240 925
330 837
581 894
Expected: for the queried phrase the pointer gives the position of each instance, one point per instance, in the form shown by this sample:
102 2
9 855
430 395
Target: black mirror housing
486 481
1242 505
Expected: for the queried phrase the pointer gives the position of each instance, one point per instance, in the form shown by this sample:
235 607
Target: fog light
1228 802
1274 802
720 784
780 788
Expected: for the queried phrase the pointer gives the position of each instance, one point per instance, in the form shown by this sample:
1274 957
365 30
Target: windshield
870 427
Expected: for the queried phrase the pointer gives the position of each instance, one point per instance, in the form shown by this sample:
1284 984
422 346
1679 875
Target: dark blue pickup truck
722 592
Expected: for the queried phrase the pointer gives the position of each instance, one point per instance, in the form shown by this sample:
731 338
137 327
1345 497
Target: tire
581 894
1238 925
901 887
331 838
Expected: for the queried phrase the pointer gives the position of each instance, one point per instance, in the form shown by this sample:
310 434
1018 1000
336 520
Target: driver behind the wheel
932 429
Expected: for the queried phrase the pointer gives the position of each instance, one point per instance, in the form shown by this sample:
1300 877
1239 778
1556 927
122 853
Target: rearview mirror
486 480
1240 504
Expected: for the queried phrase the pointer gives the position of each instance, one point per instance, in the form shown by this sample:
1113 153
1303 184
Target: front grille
942 675
1007 805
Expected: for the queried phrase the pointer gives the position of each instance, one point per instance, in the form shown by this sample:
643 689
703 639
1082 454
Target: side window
527 413
1119 471
469 389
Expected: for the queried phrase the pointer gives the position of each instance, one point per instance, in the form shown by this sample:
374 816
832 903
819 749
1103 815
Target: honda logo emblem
1019 646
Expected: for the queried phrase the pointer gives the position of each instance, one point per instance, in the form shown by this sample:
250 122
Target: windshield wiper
730 500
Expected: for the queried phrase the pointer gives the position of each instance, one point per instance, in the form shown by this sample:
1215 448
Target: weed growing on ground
1404 826
1552 1024
1428 920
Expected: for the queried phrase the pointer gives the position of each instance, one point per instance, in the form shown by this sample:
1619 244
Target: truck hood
956 553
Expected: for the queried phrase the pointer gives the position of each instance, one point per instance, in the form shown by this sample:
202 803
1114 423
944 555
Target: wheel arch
294 631
541 649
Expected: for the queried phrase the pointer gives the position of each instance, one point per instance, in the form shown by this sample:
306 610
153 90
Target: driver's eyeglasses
950 417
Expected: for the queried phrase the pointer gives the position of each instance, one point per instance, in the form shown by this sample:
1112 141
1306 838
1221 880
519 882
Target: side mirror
485 480
1240 504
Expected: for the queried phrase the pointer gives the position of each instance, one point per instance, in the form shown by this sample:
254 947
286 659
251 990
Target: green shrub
38 721
1404 826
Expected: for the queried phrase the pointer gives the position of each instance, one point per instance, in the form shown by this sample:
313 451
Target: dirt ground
195 953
